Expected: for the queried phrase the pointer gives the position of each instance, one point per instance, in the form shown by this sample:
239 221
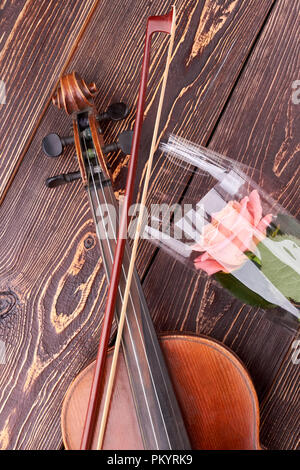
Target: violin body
214 391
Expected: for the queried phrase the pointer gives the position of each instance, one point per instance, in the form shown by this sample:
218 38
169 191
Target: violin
177 391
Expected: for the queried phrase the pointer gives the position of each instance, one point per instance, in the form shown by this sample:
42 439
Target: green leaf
253 258
239 290
279 269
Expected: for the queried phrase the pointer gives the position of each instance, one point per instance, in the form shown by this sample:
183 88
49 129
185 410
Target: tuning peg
115 112
64 178
124 143
53 144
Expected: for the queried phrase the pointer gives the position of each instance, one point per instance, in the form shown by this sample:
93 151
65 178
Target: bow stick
135 243
165 24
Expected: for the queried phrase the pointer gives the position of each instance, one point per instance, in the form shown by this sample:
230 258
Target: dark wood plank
263 101
280 408
9 12
52 286
38 47
260 127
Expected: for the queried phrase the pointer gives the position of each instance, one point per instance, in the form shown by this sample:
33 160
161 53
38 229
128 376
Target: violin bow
164 24
135 244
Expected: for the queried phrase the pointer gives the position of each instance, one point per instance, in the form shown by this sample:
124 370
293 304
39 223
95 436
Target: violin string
152 337
121 296
101 434
144 348
131 339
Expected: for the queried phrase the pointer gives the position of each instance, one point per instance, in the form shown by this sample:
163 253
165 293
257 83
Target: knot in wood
89 242
8 302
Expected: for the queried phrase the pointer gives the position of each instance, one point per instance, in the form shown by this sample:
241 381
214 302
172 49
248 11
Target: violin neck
160 420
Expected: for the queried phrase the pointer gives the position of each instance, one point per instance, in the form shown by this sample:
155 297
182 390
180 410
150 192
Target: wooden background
230 88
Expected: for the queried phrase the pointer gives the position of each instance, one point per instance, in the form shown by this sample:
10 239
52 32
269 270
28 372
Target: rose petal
254 206
204 256
243 202
233 230
263 224
210 236
210 266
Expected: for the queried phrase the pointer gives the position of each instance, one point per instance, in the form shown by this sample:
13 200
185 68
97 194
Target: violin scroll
74 94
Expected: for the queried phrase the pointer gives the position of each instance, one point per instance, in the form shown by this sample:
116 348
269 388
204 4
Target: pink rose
235 229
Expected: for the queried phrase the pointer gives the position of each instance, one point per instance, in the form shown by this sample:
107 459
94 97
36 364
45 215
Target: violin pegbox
76 97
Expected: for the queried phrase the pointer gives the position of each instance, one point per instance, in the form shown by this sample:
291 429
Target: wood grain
259 121
43 38
52 286
282 400
261 124
9 12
